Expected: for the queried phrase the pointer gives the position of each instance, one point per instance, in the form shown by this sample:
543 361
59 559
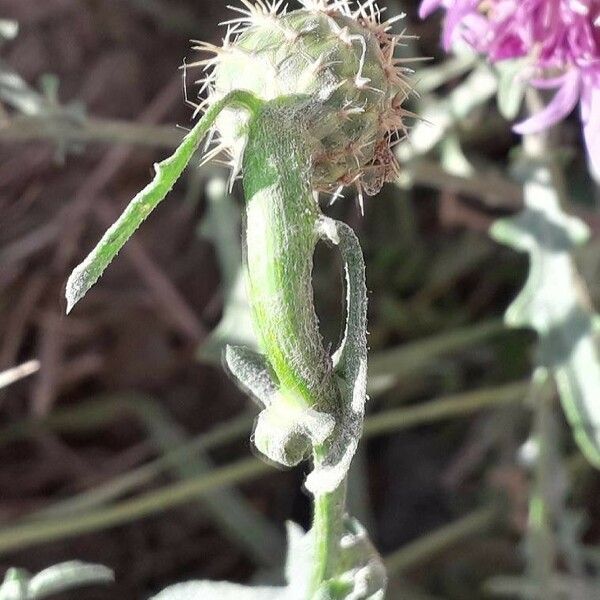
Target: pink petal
587 88
562 104
428 6
591 129
548 83
454 18
476 31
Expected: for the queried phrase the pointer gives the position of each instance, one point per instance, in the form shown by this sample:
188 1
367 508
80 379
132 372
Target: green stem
541 538
328 516
281 234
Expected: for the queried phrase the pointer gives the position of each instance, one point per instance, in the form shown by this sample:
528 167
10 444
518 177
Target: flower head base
561 39
341 60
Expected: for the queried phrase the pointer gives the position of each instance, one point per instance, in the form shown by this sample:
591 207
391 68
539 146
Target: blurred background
128 445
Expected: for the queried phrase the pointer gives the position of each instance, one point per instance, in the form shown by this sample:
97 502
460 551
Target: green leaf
217 590
555 303
19 585
349 361
511 86
167 173
284 432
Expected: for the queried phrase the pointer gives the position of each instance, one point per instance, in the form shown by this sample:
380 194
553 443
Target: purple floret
561 39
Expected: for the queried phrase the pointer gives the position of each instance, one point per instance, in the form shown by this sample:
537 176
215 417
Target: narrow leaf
67 576
167 173
350 363
20 585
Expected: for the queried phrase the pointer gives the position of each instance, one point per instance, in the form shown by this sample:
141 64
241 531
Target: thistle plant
302 102
522 47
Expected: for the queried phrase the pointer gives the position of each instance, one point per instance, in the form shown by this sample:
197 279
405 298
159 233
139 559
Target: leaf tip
76 288
70 305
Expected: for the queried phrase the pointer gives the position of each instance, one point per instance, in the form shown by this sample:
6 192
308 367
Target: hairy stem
281 234
281 217
541 536
329 511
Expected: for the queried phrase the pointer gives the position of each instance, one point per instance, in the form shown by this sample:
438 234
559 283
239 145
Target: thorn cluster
341 54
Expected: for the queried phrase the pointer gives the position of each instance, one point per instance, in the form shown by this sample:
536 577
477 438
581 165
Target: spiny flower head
340 57
561 39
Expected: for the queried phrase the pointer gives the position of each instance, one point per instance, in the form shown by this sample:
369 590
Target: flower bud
340 62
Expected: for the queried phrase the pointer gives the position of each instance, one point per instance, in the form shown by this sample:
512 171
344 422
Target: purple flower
561 38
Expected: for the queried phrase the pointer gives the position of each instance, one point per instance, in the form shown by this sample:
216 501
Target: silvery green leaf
19 585
511 87
299 561
453 159
362 573
251 370
66 576
298 568
476 90
436 120
350 364
217 590
361 561
555 303
284 432
14 586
